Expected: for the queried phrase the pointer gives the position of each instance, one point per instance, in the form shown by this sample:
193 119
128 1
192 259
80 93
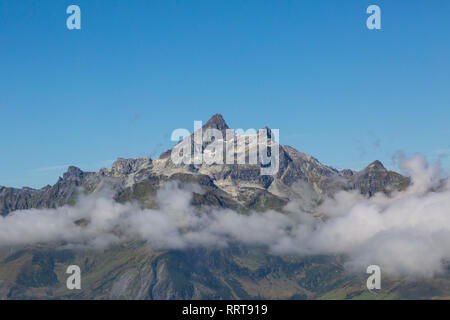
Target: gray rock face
126 166
74 174
375 178
216 122
63 192
225 185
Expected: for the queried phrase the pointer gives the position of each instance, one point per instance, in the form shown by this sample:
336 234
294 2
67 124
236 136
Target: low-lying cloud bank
407 233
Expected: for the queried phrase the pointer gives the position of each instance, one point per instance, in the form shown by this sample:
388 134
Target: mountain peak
73 172
376 165
216 122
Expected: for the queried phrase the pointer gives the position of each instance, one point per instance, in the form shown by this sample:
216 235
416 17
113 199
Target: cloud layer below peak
406 233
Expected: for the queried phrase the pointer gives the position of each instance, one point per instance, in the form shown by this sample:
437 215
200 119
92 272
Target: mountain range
228 185
132 269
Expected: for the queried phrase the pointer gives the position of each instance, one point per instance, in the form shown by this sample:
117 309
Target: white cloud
406 233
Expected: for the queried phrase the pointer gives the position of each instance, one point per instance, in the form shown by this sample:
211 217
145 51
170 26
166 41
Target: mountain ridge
238 183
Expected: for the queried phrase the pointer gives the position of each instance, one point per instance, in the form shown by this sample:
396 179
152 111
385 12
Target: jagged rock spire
376 165
216 122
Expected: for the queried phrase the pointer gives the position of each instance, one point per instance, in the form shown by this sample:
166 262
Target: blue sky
139 69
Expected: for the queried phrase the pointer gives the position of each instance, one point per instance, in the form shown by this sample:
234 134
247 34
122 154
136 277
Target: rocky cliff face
227 185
